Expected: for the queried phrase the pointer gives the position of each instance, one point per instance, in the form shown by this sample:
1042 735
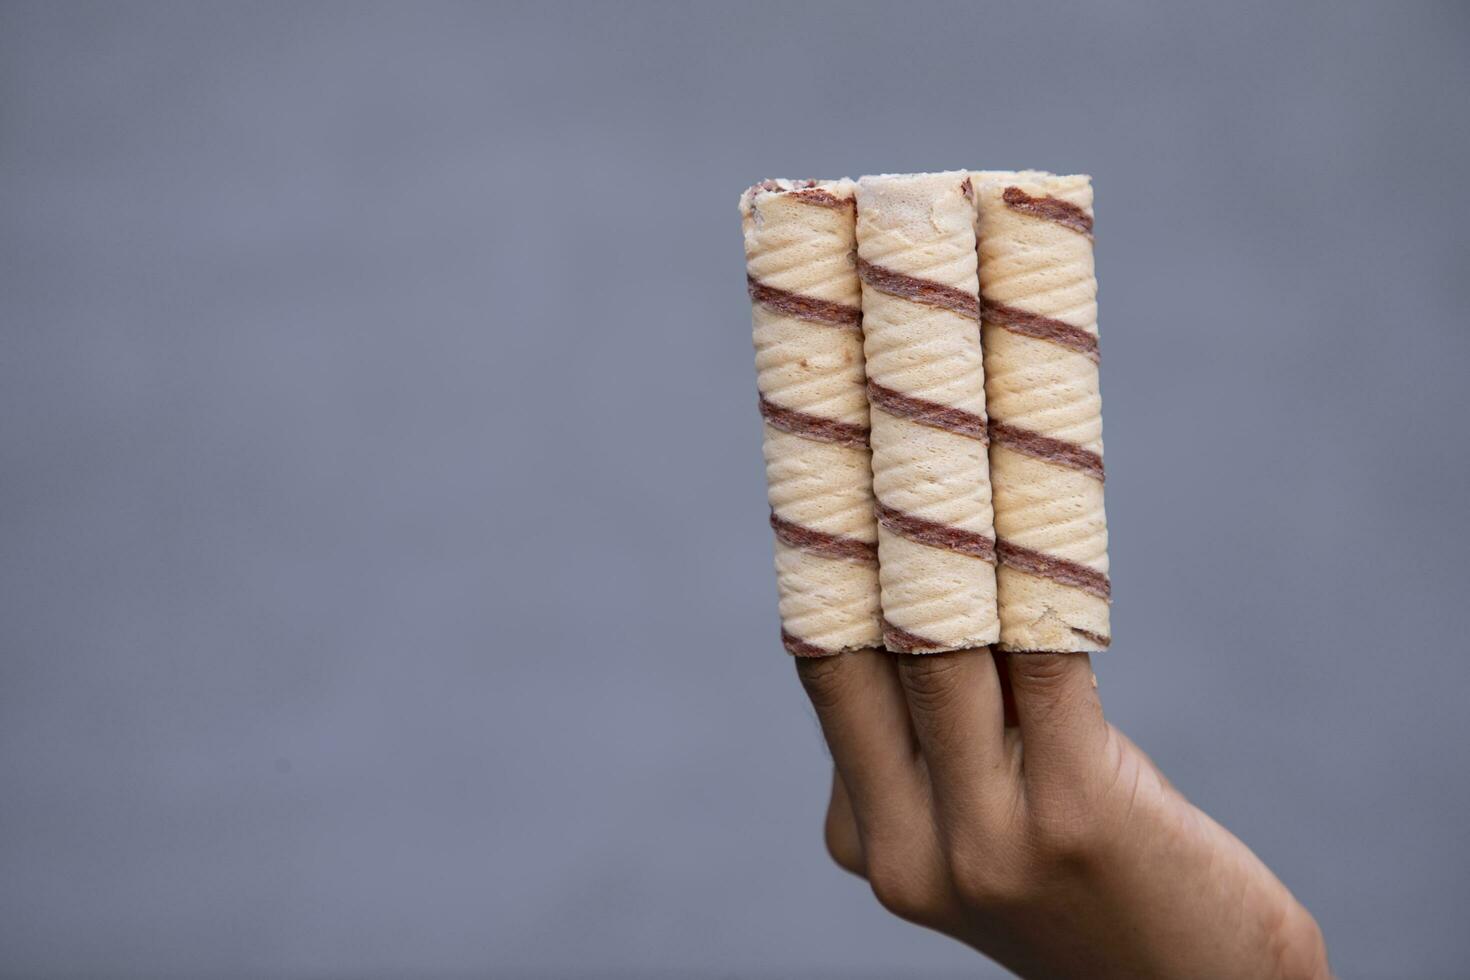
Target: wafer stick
1038 296
926 386
805 296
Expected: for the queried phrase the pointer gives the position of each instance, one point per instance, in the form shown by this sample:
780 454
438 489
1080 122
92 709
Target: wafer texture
926 386
1038 297
806 314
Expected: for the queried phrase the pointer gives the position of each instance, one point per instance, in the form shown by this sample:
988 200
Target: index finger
1059 712
954 699
861 707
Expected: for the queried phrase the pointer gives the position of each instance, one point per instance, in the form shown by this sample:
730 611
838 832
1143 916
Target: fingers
955 702
1007 698
841 832
1060 716
861 707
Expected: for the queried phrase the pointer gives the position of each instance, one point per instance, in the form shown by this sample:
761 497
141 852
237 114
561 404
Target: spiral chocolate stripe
823 198
807 192
924 291
902 641
1057 451
928 413
1102 641
814 426
1057 569
1040 327
803 307
821 543
1064 213
798 647
935 534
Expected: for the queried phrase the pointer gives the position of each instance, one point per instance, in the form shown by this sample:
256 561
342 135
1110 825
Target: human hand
983 795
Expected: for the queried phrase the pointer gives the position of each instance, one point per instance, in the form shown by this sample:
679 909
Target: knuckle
982 891
824 679
901 889
987 883
900 897
842 847
930 680
1041 671
1064 838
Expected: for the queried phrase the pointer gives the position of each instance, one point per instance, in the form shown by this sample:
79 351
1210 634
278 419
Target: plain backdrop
385 587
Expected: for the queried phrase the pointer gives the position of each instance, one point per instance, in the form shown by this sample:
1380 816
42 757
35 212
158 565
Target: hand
983 795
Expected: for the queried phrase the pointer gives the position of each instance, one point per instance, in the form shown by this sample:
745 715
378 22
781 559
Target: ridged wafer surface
926 387
806 313
1041 362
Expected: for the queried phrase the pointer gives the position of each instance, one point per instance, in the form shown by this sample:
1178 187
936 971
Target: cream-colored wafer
1041 364
926 387
805 297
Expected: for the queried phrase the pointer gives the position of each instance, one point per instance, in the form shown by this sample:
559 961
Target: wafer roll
926 387
805 299
1038 297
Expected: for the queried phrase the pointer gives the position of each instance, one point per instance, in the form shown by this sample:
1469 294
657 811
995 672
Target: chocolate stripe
1059 570
814 426
801 648
1057 451
924 291
929 413
774 186
803 307
823 198
934 534
821 543
1098 638
1064 213
1040 327
902 641
807 192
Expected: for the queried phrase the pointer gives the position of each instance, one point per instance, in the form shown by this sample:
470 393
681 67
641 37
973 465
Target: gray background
384 581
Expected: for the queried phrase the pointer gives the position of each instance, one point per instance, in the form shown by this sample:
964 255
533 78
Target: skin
984 796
